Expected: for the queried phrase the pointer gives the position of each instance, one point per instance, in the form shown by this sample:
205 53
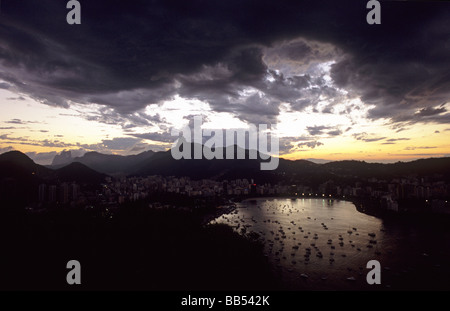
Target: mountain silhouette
15 164
64 158
163 163
110 164
20 178
288 171
80 173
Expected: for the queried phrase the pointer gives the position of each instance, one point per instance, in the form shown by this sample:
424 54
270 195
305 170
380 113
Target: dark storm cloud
400 73
127 121
128 54
429 111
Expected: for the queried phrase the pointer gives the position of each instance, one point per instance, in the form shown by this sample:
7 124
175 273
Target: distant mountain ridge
110 164
64 158
295 171
162 163
15 165
20 178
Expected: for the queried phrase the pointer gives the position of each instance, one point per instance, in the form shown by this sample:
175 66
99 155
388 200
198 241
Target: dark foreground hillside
136 249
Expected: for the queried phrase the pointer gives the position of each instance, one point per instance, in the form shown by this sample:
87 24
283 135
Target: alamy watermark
374 275
374 15
74 275
74 15
223 141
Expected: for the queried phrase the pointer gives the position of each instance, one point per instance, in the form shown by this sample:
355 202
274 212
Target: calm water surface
325 245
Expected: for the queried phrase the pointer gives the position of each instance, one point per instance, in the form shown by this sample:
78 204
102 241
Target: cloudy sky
333 86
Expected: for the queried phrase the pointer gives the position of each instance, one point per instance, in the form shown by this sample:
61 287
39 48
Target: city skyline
335 87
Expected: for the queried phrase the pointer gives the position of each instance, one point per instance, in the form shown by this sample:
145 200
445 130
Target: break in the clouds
245 58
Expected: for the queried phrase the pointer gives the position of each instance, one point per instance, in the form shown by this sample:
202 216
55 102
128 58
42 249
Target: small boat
351 278
303 275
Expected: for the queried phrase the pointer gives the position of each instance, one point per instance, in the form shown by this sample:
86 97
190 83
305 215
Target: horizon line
318 161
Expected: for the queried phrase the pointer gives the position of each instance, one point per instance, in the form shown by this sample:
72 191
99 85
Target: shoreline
366 206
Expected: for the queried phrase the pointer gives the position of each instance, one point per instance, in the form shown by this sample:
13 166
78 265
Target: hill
20 178
80 173
110 164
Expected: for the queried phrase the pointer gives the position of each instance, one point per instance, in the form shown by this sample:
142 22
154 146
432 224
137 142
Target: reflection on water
325 245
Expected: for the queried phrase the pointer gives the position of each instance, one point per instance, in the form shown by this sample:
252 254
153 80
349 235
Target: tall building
74 191
42 192
52 193
64 193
